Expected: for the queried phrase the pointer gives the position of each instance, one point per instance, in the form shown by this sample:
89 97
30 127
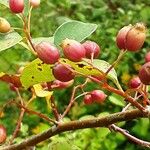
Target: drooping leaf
36 72
40 92
8 40
73 30
104 66
13 79
117 100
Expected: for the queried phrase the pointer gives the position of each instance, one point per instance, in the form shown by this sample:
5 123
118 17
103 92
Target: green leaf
73 30
8 40
4 2
43 39
104 66
117 100
36 72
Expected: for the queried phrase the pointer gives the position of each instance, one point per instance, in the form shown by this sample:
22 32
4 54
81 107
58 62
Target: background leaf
8 40
73 30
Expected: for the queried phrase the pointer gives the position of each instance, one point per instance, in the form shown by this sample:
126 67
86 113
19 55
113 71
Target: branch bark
74 125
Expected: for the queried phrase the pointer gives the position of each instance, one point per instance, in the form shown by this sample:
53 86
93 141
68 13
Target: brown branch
74 125
131 137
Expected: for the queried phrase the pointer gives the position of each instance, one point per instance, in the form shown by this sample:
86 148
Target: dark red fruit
131 38
88 99
59 84
73 50
135 82
144 74
63 73
3 134
47 52
16 6
147 57
91 49
98 96
34 3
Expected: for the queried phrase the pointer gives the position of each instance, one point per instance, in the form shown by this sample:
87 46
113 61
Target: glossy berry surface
47 52
63 73
73 50
147 57
88 99
135 82
144 74
16 6
35 3
91 48
98 96
3 134
4 25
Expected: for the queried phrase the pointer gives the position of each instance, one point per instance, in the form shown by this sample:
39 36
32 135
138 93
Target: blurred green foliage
110 15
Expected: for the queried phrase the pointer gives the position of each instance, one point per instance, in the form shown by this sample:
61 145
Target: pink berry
63 73
91 48
147 57
73 50
12 88
56 84
121 37
34 3
3 134
135 82
144 74
88 99
98 96
131 38
16 6
47 52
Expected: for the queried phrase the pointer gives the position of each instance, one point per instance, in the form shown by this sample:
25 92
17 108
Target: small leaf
36 72
40 92
75 30
8 40
117 100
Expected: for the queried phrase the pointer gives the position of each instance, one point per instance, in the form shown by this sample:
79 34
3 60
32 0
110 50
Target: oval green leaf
73 30
8 40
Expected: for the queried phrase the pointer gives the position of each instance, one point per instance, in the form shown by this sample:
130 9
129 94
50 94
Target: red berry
63 73
3 134
73 50
147 57
91 48
135 82
16 6
131 38
59 84
47 52
88 99
121 37
144 74
98 96
34 3
4 25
